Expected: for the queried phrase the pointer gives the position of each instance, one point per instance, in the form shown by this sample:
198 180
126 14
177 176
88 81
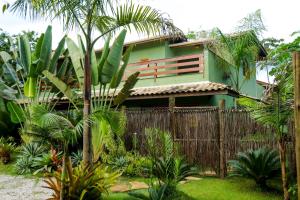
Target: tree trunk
296 63
87 134
282 153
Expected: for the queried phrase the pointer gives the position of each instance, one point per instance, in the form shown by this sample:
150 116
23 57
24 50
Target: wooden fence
199 132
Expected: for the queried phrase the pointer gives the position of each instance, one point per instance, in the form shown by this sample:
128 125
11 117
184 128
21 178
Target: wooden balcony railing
169 66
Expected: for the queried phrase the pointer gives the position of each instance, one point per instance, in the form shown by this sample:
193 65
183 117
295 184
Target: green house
188 71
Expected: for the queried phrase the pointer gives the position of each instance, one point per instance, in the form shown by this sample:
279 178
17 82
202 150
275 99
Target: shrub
7 146
28 153
76 157
293 190
47 162
171 171
131 164
259 165
86 183
159 143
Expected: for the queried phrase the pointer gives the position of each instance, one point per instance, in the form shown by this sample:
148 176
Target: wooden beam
222 160
296 64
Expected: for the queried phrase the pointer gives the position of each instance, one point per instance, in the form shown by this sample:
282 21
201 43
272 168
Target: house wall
213 70
161 49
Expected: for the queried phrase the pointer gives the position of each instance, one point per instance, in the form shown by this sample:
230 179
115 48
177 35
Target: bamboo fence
197 131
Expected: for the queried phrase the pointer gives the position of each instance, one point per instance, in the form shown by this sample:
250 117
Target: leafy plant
171 171
7 146
157 192
84 182
259 165
47 162
28 153
293 190
159 143
76 157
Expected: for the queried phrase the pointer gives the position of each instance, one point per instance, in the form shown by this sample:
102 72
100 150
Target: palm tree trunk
87 134
282 153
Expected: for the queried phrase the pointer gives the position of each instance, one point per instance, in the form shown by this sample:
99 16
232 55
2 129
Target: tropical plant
159 144
7 146
83 183
107 17
240 49
76 158
47 162
157 192
260 165
26 156
275 110
171 171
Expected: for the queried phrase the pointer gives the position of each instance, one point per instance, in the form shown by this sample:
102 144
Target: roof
203 88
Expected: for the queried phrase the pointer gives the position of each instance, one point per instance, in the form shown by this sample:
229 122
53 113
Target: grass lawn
9 168
216 189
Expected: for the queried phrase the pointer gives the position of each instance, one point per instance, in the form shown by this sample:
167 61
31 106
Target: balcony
176 66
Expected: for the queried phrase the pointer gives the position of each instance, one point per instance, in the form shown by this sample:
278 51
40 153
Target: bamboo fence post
222 166
296 64
172 116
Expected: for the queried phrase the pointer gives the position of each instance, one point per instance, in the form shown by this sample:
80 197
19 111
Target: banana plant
21 79
107 74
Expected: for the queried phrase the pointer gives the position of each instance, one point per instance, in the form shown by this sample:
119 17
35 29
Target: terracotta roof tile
180 88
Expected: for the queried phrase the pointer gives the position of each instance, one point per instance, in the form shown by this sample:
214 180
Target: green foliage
26 156
171 171
239 49
259 165
131 164
293 190
76 157
155 193
7 146
87 183
108 129
159 144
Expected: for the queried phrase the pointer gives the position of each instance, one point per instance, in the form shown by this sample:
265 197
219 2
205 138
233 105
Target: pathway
20 188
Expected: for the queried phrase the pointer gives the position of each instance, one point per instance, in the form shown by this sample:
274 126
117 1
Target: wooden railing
169 66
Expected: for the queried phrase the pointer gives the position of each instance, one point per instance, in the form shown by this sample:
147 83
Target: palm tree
239 49
107 16
275 110
55 128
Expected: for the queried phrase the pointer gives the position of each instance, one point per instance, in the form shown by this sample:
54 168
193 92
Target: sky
281 18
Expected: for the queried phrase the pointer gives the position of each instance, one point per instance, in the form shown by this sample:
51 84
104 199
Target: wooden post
296 64
172 116
222 161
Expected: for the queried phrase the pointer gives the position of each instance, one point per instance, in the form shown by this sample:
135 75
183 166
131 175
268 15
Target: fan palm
107 16
260 165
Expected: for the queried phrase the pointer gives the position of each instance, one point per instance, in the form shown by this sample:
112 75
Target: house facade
190 73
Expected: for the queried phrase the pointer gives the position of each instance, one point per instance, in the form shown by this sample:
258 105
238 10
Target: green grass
9 168
210 188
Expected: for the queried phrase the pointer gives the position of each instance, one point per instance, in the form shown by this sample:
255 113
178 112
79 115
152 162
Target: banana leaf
103 58
94 66
7 92
24 53
81 46
17 115
30 87
38 47
58 52
114 57
63 87
117 78
5 56
125 91
45 54
76 59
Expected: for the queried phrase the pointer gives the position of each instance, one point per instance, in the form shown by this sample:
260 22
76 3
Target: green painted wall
161 49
